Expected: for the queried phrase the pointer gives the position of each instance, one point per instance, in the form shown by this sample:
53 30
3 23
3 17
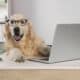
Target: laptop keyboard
41 58
46 58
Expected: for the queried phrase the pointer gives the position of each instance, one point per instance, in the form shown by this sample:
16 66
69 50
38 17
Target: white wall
46 13
68 11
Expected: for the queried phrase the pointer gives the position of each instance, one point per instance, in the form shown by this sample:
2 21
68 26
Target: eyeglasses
21 22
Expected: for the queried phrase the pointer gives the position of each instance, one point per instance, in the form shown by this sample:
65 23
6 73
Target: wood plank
39 74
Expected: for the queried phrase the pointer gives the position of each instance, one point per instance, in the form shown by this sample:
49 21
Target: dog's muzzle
17 35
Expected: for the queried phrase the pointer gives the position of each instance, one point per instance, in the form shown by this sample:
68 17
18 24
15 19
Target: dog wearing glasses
21 41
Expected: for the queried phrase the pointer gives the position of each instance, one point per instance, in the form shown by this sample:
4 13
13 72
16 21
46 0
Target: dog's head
18 27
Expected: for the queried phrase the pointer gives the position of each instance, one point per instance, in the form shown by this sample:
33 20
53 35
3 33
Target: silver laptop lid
66 43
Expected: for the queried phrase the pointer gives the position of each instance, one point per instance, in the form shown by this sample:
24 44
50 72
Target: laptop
66 44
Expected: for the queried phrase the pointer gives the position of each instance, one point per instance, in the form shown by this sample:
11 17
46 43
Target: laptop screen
66 42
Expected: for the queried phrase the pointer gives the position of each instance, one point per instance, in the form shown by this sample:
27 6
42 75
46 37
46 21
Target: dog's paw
15 55
44 51
20 60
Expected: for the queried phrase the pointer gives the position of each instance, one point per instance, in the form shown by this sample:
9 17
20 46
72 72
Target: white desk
37 65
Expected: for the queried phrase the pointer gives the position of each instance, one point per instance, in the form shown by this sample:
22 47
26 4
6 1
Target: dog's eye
12 22
22 22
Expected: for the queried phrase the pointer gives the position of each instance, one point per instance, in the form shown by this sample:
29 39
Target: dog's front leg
15 55
7 33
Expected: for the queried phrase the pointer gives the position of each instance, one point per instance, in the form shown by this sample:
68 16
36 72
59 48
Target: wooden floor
39 74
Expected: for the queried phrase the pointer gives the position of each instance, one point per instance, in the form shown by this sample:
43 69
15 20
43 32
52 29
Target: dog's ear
31 33
7 33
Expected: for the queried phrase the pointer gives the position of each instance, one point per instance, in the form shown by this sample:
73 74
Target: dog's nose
16 31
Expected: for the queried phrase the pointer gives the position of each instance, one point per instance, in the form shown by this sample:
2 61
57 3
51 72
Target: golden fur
30 45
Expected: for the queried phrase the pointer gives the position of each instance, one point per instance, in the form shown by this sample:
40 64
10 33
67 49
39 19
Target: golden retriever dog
21 40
